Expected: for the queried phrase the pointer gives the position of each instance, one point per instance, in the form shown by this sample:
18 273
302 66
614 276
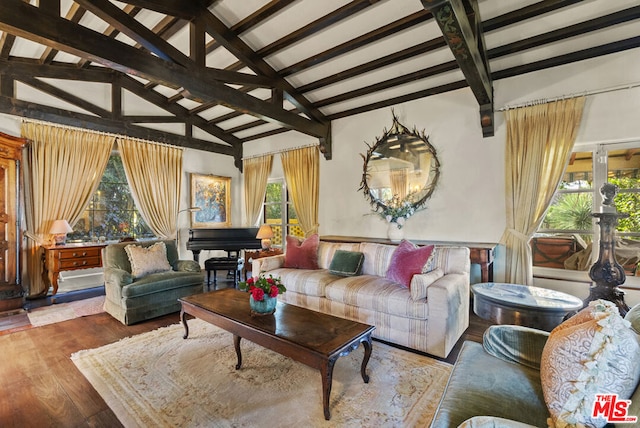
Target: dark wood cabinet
11 292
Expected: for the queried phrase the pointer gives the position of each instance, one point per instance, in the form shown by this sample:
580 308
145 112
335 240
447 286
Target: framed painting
212 194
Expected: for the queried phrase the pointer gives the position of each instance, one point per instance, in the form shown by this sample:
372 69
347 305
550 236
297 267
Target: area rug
65 311
160 379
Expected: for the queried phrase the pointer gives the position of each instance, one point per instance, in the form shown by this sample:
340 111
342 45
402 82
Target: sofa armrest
187 266
117 277
516 344
265 264
492 422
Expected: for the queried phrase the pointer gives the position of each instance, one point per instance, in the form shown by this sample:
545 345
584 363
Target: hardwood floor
42 387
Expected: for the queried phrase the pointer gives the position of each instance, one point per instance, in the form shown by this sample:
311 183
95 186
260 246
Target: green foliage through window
111 212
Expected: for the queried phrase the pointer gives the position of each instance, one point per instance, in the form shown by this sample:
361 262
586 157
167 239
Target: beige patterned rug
160 379
65 311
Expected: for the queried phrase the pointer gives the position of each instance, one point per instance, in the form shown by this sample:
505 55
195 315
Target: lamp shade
60 227
265 232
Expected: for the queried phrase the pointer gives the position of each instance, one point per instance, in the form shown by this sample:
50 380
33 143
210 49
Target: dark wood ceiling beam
387 60
254 19
162 102
26 21
370 37
594 52
64 96
32 67
75 13
316 26
186 10
6 43
626 15
146 38
525 13
463 33
51 114
244 53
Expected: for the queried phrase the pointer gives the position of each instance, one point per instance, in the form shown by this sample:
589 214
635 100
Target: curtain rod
91 131
274 152
583 94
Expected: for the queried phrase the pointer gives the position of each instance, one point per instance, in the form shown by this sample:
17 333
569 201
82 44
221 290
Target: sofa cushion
158 283
346 263
147 260
594 352
407 260
302 254
326 251
377 294
308 282
420 283
376 258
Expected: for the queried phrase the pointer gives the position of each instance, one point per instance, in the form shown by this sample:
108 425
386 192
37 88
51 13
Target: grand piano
231 240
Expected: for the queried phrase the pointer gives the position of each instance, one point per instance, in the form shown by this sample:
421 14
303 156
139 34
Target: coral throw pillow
406 261
145 261
593 352
302 254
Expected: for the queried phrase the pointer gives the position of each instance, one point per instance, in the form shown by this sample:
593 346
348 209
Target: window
280 213
111 212
569 232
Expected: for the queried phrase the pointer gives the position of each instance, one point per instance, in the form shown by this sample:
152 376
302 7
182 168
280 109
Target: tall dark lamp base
606 272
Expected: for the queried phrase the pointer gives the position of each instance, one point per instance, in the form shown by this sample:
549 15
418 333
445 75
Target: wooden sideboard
59 258
482 254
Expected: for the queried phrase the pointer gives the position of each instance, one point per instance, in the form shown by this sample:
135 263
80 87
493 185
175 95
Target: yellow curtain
302 173
62 170
399 182
154 173
256 173
539 143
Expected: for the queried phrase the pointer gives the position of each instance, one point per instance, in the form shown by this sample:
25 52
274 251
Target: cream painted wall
468 204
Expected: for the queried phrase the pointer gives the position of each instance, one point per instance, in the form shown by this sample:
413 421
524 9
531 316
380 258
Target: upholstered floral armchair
144 280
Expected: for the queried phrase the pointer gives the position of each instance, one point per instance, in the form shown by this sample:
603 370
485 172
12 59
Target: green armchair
131 300
497 384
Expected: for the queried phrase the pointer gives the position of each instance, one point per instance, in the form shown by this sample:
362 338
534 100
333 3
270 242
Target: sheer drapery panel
256 174
540 139
302 174
154 174
62 170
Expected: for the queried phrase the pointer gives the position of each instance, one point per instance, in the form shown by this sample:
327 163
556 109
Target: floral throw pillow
593 352
147 260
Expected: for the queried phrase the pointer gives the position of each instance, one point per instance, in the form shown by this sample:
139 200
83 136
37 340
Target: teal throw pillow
346 263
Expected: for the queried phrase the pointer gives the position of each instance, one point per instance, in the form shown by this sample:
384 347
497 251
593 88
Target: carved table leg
326 371
183 318
366 342
236 344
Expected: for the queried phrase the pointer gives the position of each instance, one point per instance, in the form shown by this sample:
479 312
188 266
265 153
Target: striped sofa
429 317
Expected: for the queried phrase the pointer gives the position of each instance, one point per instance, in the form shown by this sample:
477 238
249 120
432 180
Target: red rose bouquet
261 286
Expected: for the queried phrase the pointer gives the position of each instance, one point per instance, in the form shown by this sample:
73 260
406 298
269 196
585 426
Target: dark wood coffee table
306 336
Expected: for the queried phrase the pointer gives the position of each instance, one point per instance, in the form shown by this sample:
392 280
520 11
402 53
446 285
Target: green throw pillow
346 263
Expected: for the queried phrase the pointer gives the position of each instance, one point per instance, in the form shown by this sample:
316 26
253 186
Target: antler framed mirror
400 166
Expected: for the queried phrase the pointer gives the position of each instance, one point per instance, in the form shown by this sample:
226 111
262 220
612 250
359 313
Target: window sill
631 283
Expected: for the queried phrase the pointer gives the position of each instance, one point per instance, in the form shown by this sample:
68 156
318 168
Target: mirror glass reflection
401 165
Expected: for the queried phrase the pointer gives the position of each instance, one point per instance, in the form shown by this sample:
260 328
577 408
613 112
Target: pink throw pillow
302 254
406 261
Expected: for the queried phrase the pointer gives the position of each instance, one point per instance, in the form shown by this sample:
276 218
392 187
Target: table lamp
265 233
59 230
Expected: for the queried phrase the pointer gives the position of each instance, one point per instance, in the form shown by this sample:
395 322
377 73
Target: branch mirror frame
404 147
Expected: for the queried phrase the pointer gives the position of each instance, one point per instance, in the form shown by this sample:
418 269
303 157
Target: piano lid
227 239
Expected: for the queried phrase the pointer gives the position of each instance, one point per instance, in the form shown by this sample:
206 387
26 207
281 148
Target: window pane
624 172
571 212
579 173
274 193
111 212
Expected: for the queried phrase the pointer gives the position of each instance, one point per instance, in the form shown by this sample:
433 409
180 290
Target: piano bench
221 263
